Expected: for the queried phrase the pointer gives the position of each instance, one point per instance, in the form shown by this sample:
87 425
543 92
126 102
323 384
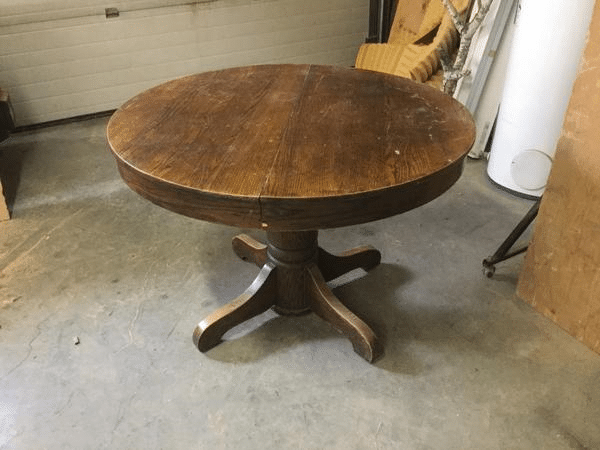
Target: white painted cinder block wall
65 58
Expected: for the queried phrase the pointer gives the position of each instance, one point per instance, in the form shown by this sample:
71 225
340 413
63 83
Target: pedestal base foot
254 301
328 307
333 266
249 249
292 280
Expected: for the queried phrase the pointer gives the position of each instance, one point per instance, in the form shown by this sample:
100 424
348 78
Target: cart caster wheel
488 270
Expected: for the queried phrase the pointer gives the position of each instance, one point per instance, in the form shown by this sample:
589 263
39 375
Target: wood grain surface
290 147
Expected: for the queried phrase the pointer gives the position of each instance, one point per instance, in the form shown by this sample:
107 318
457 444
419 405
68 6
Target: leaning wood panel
4 215
561 275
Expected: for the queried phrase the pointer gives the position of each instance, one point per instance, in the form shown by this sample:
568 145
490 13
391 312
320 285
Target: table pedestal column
293 280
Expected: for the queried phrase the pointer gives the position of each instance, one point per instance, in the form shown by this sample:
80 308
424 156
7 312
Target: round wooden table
291 149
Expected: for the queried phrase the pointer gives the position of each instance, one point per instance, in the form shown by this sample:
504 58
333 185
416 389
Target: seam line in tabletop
284 142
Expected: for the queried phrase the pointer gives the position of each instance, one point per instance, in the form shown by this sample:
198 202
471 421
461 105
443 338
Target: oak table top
290 149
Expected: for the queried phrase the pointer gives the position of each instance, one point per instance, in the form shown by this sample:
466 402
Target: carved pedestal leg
328 307
292 253
333 266
259 297
249 249
293 281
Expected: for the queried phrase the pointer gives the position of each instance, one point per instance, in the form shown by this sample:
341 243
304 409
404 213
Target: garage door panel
90 64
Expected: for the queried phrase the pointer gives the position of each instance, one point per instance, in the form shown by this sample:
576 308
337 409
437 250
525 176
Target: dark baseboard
54 123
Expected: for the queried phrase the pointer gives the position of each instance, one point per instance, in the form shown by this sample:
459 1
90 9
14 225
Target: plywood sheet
561 274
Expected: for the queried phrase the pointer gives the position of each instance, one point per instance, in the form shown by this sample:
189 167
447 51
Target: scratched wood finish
290 147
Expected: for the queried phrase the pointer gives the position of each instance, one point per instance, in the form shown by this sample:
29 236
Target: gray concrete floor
100 291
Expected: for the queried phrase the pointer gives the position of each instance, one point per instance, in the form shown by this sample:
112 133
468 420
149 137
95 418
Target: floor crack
30 349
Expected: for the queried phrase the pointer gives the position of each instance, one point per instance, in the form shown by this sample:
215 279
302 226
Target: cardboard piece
4 215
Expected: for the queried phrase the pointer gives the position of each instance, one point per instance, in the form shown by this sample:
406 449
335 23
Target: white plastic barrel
546 50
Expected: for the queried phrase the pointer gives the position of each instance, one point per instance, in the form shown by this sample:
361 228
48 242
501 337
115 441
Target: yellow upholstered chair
419 29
